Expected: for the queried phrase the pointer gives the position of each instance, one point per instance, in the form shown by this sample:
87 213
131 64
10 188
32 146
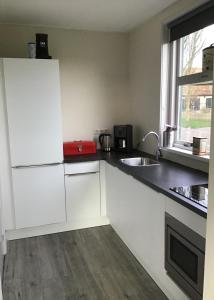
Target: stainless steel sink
139 162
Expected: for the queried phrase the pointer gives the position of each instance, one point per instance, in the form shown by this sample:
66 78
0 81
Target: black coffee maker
123 138
42 46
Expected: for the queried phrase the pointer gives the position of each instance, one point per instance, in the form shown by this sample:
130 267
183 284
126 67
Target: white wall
2 234
1 240
145 69
94 74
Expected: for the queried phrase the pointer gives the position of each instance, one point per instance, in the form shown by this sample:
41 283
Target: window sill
186 153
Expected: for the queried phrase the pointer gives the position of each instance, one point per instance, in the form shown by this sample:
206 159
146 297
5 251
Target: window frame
173 103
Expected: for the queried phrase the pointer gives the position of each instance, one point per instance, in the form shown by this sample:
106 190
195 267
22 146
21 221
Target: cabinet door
82 196
39 195
32 94
136 212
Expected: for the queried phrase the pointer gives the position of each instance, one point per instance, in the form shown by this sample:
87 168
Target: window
189 105
208 102
192 108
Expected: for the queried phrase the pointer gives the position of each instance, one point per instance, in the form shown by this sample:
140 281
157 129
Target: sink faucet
158 150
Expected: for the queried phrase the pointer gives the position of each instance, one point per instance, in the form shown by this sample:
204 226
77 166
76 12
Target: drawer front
82 196
83 167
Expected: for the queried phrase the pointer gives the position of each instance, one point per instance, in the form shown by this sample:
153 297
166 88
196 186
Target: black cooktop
196 193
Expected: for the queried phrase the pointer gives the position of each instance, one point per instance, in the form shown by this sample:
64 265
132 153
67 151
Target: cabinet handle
37 166
69 175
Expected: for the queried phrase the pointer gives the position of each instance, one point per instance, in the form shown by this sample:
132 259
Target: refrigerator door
39 195
32 94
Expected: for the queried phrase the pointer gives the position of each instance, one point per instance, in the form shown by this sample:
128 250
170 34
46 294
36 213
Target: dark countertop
161 178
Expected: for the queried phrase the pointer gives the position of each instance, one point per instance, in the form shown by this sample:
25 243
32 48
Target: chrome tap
158 150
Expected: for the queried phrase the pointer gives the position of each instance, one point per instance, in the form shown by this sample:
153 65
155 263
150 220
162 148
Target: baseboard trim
55 228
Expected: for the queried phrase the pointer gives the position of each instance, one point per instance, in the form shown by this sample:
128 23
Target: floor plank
87 264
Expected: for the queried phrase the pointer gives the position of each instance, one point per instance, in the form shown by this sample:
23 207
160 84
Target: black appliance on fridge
42 46
123 138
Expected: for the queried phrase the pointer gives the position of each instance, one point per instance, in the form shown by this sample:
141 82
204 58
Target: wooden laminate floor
92 264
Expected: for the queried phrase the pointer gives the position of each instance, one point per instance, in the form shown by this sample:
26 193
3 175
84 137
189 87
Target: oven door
184 257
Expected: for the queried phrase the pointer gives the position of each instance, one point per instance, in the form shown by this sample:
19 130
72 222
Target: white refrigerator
32 96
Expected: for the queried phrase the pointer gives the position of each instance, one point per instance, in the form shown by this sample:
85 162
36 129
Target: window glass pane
191 50
195 103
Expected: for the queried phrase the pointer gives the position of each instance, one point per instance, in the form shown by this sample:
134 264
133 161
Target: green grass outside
195 123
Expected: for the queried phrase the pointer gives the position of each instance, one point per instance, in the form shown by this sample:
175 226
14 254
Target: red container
79 148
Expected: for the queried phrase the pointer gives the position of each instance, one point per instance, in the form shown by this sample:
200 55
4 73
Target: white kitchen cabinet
82 191
186 216
39 195
137 213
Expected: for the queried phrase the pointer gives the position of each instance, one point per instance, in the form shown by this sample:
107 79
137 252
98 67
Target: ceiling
99 15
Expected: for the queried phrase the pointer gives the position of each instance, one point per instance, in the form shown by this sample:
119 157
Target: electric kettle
105 141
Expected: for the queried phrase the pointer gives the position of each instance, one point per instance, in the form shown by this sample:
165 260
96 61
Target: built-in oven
184 257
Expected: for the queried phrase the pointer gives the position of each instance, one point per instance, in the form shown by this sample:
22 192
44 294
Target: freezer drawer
39 195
